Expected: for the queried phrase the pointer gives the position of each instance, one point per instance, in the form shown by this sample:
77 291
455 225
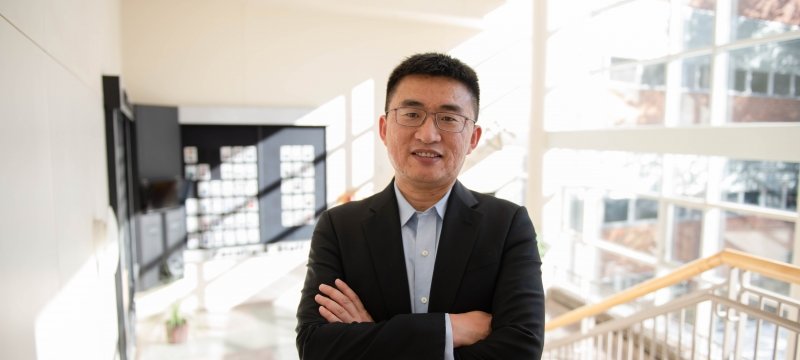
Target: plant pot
177 334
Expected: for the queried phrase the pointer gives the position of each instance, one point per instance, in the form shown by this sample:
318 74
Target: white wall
56 260
278 54
265 53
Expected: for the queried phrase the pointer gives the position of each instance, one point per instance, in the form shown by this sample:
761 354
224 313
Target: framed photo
253 236
225 154
226 171
250 171
193 241
252 205
192 224
203 172
237 154
190 154
190 172
307 153
215 188
286 153
250 154
191 206
241 237
203 189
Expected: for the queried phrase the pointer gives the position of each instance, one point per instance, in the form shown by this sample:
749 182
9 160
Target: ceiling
300 53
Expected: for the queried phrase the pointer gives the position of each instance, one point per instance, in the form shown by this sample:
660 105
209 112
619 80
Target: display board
252 184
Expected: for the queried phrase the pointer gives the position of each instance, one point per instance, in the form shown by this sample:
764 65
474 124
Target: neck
422 198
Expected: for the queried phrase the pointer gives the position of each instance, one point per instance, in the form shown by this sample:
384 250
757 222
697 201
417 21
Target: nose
428 132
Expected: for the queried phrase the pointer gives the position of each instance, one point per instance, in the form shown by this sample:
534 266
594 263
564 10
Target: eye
410 113
449 118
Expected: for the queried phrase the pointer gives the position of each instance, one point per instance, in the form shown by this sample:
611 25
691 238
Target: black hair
435 64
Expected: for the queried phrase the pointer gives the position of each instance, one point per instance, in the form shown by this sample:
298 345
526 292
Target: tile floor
238 307
257 323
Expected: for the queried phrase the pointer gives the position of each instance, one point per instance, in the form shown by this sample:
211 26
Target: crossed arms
336 322
341 304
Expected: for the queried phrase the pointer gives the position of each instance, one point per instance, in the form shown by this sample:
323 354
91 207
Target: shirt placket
424 257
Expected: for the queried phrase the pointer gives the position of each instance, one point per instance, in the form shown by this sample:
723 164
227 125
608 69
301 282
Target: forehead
431 92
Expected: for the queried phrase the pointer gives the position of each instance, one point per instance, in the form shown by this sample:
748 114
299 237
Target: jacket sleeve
518 300
403 336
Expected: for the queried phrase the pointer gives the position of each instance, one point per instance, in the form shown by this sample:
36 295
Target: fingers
341 304
328 315
354 299
337 311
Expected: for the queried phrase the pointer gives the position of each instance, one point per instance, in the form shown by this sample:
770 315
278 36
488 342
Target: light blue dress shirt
421 231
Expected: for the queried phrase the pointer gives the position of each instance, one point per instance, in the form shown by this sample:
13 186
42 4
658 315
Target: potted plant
177 327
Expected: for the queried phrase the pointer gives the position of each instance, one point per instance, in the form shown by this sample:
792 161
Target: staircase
731 319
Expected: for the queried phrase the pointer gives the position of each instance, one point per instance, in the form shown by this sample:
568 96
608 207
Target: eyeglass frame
435 118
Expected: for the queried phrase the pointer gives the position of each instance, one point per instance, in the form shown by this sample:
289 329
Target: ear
382 128
474 138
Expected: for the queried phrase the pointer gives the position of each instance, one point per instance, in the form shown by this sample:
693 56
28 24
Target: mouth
426 154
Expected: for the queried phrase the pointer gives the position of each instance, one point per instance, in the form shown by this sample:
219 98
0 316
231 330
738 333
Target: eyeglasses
414 117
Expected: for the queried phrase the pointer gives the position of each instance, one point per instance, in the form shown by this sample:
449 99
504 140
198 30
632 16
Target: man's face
425 157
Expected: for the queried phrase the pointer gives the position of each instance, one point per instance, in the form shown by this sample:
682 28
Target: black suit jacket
487 260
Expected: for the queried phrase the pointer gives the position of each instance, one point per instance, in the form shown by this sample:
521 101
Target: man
425 269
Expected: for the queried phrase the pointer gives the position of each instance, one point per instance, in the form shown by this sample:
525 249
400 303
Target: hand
341 304
470 327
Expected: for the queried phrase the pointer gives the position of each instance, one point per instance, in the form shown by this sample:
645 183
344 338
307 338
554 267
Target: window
630 223
759 183
575 213
649 204
687 231
761 236
761 81
782 84
698 24
757 19
615 210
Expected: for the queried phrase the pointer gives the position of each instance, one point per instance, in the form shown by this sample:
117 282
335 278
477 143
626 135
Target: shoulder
350 207
490 201
362 208
483 202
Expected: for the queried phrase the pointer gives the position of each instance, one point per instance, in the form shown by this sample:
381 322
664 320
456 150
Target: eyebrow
445 107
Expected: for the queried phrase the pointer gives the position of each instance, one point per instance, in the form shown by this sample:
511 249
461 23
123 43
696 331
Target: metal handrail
673 306
774 269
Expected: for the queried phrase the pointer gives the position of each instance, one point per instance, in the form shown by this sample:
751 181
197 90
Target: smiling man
425 269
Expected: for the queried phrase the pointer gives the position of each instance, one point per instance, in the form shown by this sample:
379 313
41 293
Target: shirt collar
407 211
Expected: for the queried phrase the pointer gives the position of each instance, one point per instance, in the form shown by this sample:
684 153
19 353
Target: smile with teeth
426 154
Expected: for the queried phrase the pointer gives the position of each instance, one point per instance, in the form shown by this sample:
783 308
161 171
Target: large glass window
760 183
617 272
695 90
689 175
636 94
687 232
761 236
621 73
698 23
649 18
575 218
630 223
756 19
761 80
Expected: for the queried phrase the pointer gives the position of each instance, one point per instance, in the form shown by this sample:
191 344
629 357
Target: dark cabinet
160 245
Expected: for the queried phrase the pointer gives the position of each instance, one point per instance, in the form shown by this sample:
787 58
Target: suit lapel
382 231
459 235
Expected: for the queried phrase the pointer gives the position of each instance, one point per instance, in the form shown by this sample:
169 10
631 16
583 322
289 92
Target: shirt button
424 300
425 253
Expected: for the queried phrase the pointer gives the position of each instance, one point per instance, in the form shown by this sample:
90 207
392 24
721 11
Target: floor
224 321
238 306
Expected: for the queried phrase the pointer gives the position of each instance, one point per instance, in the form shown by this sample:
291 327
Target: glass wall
652 62
630 208
707 203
